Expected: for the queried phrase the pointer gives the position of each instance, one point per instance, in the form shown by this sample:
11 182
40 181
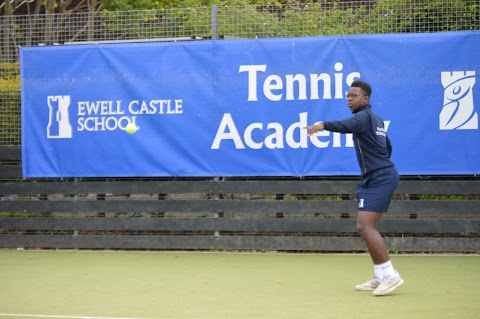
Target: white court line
64 317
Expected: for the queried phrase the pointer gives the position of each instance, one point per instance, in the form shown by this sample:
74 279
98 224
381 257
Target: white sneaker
370 285
388 284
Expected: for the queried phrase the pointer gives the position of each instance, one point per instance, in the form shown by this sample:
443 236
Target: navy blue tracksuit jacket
372 145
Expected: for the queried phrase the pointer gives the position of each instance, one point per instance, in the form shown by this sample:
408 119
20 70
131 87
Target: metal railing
217 23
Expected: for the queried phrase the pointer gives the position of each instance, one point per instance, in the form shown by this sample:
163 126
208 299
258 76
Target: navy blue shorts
375 191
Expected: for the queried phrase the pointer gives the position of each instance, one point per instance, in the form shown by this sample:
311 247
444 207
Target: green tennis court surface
70 285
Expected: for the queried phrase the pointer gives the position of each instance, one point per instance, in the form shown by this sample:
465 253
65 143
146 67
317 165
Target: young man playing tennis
379 180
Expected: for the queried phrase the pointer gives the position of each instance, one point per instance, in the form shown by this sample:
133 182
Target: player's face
356 99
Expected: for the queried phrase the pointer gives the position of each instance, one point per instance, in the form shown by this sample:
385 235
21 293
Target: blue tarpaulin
237 108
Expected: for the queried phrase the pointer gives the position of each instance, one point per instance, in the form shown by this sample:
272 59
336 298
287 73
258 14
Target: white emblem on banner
59 122
458 111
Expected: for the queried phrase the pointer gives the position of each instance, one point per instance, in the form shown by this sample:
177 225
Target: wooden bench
266 214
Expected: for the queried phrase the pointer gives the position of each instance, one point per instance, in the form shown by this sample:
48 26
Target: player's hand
313 129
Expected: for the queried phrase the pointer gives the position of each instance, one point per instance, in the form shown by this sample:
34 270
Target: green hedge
10 104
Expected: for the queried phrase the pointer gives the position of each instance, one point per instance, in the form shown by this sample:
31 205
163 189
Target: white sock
385 269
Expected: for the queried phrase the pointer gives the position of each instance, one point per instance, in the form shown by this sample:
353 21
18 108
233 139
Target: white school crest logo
458 111
59 120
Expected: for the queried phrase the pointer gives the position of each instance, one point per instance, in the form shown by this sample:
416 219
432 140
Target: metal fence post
214 22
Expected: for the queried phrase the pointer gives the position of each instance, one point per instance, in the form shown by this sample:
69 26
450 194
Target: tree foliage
144 19
10 100
34 7
295 18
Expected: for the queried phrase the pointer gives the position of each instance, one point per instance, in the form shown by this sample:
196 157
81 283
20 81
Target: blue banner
237 108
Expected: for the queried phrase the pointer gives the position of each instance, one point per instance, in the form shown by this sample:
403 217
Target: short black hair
366 88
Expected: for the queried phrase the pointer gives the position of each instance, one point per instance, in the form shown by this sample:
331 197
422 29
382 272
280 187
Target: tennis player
379 181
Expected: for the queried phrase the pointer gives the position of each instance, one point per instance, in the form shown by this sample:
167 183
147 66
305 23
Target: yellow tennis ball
131 128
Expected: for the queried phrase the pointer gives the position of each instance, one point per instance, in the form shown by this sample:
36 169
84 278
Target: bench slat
292 207
250 225
26 187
